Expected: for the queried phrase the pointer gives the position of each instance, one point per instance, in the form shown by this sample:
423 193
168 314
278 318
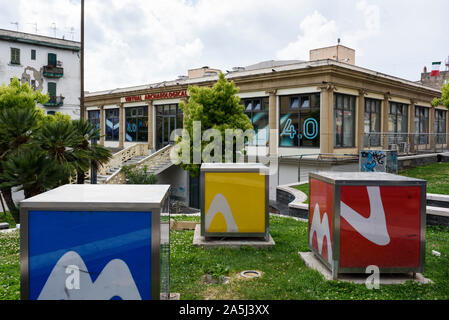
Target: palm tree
98 154
60 141
17 125
31 170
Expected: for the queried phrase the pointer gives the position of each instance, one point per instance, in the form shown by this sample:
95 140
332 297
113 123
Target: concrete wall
340 53
179 181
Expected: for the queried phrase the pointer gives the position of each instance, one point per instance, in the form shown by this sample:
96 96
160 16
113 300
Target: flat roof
265 71
232 167
362 177
35 39
98 196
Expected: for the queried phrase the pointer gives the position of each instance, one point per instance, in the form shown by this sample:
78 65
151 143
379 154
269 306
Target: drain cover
250 274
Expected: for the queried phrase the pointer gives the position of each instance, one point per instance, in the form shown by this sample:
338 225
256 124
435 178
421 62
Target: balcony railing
407 143
53 72
55 101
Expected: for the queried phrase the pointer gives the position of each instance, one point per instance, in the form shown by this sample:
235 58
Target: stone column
273 123
102 125
151 126
121 130
385 112
411 125
432 127
360 119
327 118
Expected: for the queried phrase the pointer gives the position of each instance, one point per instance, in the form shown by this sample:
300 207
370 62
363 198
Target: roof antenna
17 25
35 26
53 26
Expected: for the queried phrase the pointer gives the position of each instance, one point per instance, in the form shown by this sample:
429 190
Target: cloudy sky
135 42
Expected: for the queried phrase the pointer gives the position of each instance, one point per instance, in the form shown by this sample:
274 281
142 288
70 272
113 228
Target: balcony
55 101
53 72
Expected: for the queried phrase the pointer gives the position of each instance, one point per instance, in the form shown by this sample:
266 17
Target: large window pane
344 112
112 124
299 120
136 124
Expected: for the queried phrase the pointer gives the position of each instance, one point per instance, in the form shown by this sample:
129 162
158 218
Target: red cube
359 219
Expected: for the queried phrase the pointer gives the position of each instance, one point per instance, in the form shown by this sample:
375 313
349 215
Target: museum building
327 105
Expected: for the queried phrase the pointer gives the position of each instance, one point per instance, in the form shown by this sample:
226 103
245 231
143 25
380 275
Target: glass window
299 118
15 56
136 124
440 126
397 123
421 122
257 112
372 122
168 118
344 112
33 54
93 116
112 117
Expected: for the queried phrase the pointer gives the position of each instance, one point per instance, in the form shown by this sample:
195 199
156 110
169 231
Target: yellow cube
234 200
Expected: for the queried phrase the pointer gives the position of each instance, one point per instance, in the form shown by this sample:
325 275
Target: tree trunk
80 177
7 195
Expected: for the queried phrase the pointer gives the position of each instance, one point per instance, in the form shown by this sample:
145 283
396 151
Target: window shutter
52 59
52 89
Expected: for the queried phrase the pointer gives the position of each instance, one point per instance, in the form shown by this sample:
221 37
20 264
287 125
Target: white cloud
317 31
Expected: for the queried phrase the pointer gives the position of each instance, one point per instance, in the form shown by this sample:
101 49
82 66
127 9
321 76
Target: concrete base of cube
200 241
173 296
395 278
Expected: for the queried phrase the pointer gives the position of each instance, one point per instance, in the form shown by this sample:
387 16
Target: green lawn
285 275
304 188
7 218
436 175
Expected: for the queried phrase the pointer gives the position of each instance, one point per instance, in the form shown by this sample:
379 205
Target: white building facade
47 64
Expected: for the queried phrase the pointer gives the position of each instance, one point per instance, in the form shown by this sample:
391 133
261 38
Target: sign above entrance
156 96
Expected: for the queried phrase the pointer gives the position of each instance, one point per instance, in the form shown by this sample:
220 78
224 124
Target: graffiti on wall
378 161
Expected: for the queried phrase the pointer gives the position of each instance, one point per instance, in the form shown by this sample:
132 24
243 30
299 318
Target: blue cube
96 242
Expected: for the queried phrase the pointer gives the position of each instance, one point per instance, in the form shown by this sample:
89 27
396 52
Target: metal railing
316 157
407 143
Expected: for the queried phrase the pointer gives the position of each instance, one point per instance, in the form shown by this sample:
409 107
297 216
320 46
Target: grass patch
304 188
436 174
285 275
7 218
10 265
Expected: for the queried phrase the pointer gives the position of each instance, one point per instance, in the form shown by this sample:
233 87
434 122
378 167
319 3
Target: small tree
216 108
135 175
444 100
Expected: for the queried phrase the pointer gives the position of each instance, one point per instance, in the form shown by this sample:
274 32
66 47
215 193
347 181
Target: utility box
359 219
378 161
96 242
234 200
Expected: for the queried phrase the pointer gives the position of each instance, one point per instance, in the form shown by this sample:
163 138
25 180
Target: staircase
102 178
156 163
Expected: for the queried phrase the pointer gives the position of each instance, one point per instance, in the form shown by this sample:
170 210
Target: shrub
135 175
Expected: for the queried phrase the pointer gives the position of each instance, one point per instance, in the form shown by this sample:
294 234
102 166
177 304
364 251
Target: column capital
387 95
271 91
412 101
362 92
328 86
